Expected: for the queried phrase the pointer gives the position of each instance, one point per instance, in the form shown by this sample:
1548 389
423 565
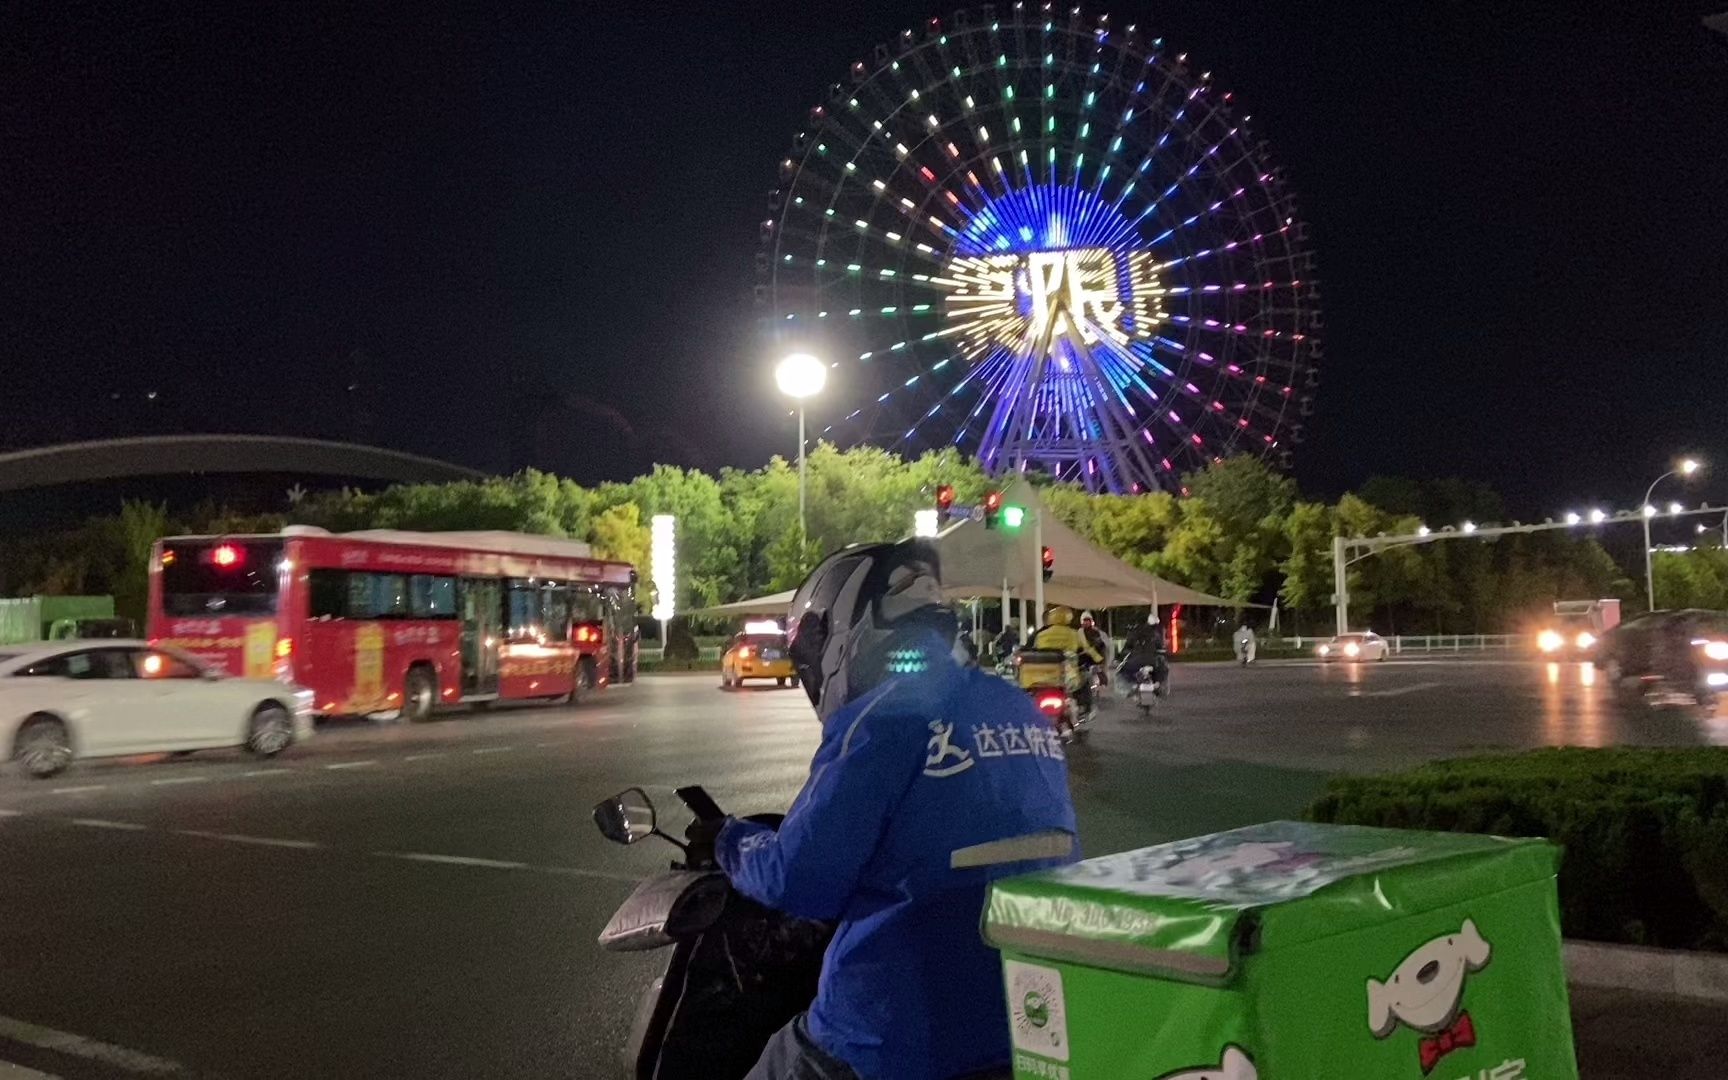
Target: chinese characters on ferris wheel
1047 241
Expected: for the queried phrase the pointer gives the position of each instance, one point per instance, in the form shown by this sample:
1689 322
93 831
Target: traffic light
944 503
1048 557
992 508
1013 516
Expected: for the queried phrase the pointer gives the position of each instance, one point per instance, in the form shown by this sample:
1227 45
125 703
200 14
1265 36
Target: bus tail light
284 648
587 634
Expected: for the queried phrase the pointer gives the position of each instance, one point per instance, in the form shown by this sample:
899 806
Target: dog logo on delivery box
1235 1065
1426 994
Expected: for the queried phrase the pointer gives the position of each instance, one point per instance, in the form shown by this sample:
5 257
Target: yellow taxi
756 652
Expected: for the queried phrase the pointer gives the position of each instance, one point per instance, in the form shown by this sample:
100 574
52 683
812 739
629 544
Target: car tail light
1051 703
225 555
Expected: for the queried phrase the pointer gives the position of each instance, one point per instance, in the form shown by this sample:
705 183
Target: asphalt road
423 901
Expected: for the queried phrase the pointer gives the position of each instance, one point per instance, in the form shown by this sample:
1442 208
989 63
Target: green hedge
1645 831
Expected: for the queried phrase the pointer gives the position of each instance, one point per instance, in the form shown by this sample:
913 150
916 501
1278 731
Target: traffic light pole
1038 577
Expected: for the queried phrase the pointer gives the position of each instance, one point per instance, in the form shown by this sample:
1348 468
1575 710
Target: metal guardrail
1424 643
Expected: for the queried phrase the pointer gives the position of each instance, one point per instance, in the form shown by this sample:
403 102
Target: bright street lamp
800 376
1685 467
1469 526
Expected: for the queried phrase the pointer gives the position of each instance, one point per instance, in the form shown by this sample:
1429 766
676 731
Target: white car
1365 645
75 699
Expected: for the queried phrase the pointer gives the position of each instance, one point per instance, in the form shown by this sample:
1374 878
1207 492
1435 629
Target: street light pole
800 376
803 512
1686 468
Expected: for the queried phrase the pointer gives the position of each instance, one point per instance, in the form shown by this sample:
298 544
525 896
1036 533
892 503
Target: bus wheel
419 694
585 677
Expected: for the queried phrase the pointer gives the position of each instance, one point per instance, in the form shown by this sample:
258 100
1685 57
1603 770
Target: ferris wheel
1048 241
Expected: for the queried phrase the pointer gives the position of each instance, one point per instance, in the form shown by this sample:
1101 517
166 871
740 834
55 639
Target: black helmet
852 607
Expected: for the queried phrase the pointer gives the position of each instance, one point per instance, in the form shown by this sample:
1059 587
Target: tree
618 533
1307 566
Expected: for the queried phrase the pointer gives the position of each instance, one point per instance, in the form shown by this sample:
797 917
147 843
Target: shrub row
1645 831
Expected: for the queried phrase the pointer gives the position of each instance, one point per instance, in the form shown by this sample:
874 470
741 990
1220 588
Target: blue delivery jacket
923 791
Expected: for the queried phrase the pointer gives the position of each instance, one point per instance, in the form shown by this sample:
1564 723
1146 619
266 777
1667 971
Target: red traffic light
945 496
1048 558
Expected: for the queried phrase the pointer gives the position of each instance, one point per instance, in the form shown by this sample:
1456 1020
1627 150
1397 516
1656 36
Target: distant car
91 629
1366 645
1687 649
756 654
60 701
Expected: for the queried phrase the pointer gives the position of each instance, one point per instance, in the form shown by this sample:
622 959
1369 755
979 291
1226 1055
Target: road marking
452 860
424 757
179 780
100 823
9 1071
261 841
599 875
492 749
351 765
11 813
63 1042
78 790
268 772
1399 691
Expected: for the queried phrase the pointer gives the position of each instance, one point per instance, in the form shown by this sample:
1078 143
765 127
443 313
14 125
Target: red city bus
398 622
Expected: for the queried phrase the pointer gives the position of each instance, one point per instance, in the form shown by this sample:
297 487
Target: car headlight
1550 641
1584 640
1325 650
1352 649
1716 650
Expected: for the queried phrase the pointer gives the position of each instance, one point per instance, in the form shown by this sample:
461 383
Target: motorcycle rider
1100 641
1145 648
1060 635
1007 641
932 779
1245 642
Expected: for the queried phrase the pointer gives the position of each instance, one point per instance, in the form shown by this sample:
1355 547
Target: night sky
527 236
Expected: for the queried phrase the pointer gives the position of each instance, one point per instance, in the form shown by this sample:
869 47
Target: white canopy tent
980 562
773 605
983 562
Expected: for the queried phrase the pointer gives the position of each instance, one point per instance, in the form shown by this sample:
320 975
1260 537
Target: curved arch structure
164 455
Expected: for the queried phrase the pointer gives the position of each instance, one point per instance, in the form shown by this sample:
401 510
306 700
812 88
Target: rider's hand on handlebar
700 836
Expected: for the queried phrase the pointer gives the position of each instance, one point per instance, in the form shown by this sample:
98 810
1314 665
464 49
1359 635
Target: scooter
1047 675
737 973
1150 683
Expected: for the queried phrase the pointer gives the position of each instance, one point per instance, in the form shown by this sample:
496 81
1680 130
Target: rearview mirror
626 817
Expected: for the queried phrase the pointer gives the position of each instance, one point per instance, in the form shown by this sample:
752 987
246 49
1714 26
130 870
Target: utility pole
1340 585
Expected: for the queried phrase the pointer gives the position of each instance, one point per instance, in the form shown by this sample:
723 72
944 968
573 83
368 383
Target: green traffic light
1013 516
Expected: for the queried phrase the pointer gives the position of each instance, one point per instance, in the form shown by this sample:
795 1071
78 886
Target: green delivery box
1290 952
